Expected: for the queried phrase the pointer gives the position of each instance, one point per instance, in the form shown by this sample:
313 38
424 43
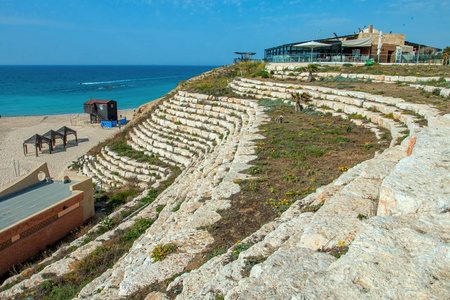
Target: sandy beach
15 130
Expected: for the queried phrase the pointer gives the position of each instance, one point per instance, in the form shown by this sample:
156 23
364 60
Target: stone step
209 136
283 72
90 170
170 145
200 122
194 141
283 90
130 165
217 103
163 154
352 103
231 122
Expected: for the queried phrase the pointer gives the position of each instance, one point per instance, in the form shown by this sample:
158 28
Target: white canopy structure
358 43
312 45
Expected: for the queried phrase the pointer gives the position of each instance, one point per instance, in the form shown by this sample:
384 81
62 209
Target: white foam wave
125 80
111 81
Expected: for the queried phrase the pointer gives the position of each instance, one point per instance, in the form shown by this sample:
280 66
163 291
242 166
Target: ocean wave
125 80
111 81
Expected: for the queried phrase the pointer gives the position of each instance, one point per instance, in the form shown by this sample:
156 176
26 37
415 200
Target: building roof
51 134
65 131
36 139
100 101
26 202
326 40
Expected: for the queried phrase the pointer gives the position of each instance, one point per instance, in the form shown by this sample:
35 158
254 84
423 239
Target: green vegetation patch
123 149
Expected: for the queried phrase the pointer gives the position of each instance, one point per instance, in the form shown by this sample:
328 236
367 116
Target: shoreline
69 114
15 130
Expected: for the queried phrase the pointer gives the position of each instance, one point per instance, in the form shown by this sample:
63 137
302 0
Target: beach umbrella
312 45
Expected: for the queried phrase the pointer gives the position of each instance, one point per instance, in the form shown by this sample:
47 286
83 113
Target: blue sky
197 32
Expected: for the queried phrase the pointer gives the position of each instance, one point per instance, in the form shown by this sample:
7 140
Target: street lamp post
317 37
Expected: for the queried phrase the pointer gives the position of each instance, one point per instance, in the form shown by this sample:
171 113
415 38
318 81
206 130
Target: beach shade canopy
312 45
53 135
37 140
65 131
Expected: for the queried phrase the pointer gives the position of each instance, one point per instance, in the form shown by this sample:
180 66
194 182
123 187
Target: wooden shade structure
65 131
37 140
53 135
245 56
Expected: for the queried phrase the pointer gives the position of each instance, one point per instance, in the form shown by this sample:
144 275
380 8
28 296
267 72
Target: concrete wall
84 185
26 181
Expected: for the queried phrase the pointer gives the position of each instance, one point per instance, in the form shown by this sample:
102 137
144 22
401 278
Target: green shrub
106 224
215 252
151 196
139 227
436 92
254 170
340 139
261 73
314 150
63 292
238 249
160 208
120 198
176 208
250 262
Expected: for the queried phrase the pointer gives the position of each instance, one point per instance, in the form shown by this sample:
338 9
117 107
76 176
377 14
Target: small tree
304 98
311 68
446 56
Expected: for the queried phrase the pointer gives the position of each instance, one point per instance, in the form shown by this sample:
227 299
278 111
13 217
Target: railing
239 60
338 58
99 116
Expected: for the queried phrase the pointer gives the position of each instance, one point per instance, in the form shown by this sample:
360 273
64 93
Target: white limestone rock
391 258
420 183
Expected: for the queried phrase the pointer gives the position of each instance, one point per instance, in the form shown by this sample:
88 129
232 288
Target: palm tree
311 68
445 55
299 99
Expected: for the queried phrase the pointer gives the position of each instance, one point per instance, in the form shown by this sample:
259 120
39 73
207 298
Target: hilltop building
37 211
358 47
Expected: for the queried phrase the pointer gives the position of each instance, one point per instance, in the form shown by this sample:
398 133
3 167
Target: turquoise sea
49 90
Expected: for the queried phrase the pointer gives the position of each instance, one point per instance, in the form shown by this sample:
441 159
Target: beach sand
15 130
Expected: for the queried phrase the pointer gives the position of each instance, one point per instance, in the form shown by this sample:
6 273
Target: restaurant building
368 43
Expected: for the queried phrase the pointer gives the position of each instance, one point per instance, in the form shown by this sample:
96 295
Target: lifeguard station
101 110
